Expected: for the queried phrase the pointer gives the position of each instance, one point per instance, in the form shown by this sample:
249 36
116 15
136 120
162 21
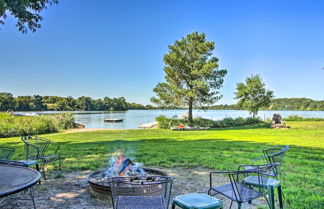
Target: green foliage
6 101
224 107
296 104
252 95
40 103
299 118
27 12
222 149
281 104
22 125
167 123
192 76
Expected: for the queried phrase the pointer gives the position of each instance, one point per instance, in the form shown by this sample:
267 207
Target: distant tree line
296 104
41 103
282 104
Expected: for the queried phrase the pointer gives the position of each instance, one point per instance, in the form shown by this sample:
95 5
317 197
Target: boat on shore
114 120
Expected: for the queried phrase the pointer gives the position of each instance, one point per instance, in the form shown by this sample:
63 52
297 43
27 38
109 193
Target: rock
277 122
276 118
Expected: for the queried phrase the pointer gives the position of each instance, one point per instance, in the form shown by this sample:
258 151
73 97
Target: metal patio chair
268 183
274 154
236 188
147 192
6 153
42 151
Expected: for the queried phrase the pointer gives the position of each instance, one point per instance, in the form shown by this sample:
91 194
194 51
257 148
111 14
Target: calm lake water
134 118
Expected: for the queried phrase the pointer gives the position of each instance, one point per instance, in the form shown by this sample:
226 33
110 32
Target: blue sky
115 48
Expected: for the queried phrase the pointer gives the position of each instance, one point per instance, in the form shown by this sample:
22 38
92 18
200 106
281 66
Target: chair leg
272 198
31 191
43 169
280 197
37 168
231 204
239 205
60 165
173 206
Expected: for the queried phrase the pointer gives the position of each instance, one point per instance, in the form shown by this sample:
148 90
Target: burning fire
123 166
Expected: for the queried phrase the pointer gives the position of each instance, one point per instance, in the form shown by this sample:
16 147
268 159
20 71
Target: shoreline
80 130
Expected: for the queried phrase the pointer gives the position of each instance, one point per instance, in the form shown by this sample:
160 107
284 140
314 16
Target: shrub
167 123
23 125
299 118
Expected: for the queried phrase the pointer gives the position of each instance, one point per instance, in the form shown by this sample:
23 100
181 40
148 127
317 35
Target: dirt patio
72 191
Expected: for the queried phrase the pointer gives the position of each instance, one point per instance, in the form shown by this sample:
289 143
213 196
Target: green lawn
223 149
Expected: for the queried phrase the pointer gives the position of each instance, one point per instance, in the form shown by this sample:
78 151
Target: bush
167 123
23 125
299 118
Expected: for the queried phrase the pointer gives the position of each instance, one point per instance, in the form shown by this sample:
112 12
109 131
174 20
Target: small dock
114 120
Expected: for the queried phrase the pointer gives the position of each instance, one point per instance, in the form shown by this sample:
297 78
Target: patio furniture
274 154
6 153
267 183
196 201
14 179
146 192
42 151
236 189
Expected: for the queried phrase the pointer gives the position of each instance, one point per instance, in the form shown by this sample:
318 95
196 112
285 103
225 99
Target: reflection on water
134 118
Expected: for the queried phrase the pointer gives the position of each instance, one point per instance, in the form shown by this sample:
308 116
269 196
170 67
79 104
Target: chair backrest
6 153
35 147
243 191
276 154
142 186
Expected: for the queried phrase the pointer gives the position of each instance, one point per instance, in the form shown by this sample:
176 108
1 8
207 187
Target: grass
21 125
222 149
299 118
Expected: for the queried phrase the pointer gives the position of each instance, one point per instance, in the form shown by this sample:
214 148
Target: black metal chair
147 192
6 153
274 154
42 150
236 189
268 184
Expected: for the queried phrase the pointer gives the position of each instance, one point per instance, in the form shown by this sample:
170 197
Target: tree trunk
190 111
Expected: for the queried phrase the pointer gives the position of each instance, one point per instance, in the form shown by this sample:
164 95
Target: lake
134 118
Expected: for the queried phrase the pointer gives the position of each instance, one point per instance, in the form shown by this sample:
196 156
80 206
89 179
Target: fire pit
101 187
120 167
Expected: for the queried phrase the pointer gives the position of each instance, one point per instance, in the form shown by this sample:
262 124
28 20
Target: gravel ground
72 191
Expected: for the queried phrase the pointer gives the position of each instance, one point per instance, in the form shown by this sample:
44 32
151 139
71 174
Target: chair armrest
12 162
259 158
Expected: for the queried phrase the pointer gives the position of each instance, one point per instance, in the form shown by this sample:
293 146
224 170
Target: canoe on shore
113 120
